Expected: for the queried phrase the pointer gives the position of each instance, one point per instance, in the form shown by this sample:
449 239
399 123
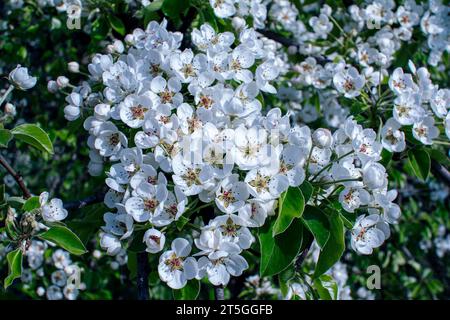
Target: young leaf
189 292
317 222
31 204
291 206
174 9
34 136
5 137
307 190
334 247
14 266
326 287
154 6
278 252
420 163
117 24
64 238
439 157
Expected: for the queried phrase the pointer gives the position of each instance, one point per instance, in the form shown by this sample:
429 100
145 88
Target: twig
16 176
219 293
300 258
288 42
142 275
440 172
78 204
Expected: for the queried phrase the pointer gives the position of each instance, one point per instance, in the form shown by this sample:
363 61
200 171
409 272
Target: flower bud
71 112
10 109
322 138
374 175
62 81
40 291
73 67
118 46
21 79
102 111
238 23
129 39
52 86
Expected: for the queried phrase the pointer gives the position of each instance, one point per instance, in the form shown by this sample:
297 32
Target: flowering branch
16 176
287 42
142 275
78 204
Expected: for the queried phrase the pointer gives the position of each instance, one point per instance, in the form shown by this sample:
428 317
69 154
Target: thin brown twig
16 176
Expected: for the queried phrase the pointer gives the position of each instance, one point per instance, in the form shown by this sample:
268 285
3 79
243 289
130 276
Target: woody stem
142 275
16 176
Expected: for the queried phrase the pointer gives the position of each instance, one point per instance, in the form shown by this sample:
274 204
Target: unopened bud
238 23
322 138
62 81
52 86
73 67
10 109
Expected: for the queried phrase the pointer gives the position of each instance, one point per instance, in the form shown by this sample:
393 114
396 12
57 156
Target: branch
142 275
16 176
288 42
219 293
440 172
187 21
78 204
300 258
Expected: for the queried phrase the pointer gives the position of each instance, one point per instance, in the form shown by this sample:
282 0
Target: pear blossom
175 267
21 79
365 234
52 210
425 131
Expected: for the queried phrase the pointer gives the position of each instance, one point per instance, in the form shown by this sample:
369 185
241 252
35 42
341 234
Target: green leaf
439 157
278 252
326 287
386 157
307 190
5 137
317 222
154 6
291 206
174 9
189 292
334 247
284 277
14 266
34 136
64 238
420 163
117 24
31 204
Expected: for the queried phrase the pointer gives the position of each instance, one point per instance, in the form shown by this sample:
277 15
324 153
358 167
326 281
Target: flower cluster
418 101
63 282
181 127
